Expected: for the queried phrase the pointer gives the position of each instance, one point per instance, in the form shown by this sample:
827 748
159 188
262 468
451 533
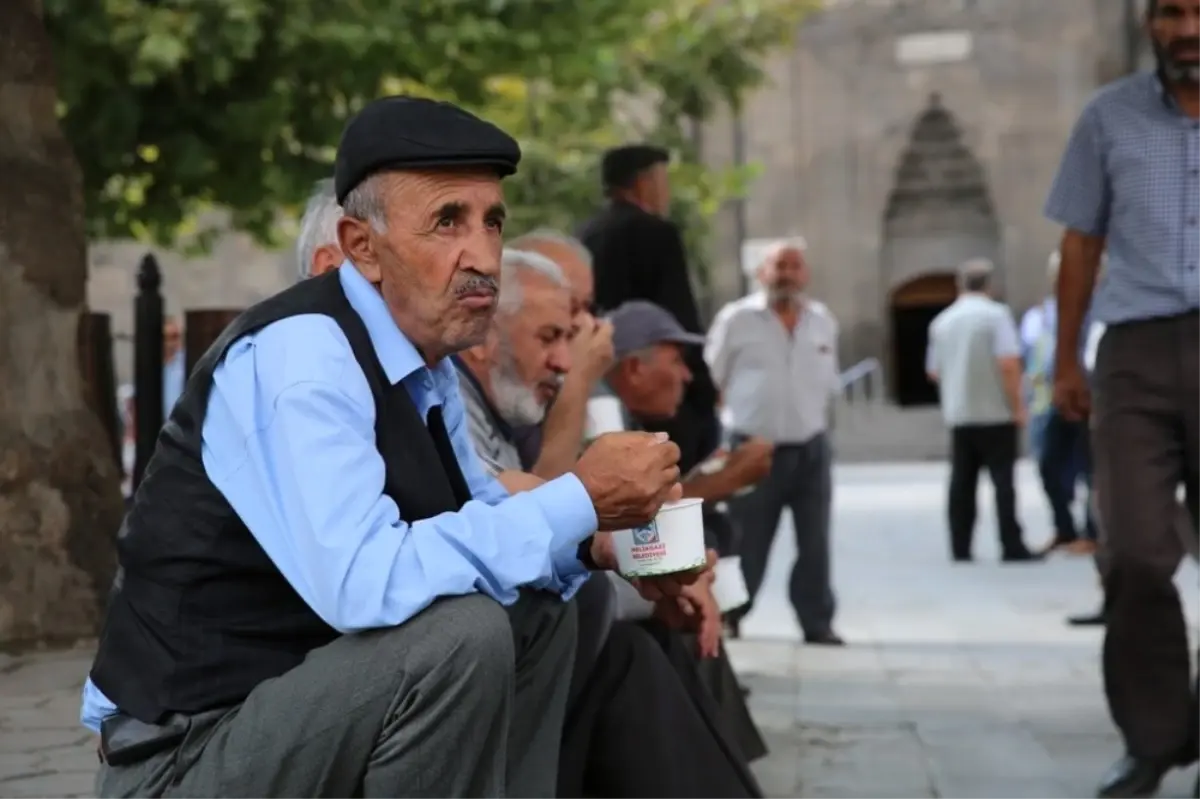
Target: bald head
572 258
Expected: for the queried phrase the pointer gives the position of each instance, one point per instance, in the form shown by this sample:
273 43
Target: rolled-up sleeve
1081 195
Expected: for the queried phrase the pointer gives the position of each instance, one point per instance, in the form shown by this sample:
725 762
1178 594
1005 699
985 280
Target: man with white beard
773 356
679 744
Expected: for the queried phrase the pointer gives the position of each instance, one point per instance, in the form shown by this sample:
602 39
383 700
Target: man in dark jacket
638 254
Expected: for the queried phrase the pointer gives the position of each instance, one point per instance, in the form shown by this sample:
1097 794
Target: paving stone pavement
959 681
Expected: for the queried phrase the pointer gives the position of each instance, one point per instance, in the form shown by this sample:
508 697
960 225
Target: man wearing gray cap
322 592
650 375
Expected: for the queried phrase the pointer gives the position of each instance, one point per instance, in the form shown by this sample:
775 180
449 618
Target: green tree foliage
177 106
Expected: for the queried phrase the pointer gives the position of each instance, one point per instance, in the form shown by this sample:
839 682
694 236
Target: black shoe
827 638
963 558
1131 777
1021 556
733 627
1095 619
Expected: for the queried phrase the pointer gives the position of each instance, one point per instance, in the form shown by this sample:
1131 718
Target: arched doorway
911 307
939 213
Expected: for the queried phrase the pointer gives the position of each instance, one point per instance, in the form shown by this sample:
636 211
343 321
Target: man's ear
326 258
356 241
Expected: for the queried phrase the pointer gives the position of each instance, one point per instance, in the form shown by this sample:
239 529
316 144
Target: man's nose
685 373
560 356
481 252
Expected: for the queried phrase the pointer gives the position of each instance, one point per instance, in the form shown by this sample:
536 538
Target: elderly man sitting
322 592
632 728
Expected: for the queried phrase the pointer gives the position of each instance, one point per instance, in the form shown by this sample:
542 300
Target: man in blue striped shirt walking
1130 182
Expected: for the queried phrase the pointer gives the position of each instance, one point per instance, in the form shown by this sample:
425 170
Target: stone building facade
900 137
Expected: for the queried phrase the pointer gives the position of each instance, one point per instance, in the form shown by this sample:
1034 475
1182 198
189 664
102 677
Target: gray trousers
801 479
465 699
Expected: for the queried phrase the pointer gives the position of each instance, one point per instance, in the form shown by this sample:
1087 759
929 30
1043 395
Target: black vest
199 614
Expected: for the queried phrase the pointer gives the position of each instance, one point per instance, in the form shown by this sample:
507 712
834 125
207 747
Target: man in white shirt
773 356
975 358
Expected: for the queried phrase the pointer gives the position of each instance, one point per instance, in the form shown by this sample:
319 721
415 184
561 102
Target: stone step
869 432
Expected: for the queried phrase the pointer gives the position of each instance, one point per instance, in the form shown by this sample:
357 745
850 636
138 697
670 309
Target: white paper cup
729 584
672 542
603 416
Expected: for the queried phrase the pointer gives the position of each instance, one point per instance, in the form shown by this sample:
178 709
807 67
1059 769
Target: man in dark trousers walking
639 255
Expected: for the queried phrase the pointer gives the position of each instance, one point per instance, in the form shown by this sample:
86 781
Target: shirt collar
397 355
1164 94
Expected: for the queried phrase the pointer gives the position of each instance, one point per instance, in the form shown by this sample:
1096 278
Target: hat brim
503 167
693 339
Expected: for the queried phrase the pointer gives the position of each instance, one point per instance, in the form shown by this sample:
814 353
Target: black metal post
147 363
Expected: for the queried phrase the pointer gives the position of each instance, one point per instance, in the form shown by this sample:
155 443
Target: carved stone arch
939 213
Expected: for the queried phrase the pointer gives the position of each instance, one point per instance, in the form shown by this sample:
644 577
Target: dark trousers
1146 427
972 449
801 480
1065 457
638 728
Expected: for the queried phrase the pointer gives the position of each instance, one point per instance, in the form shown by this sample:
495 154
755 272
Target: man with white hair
321 590
975 358
552 447
317 249
773 356
677 745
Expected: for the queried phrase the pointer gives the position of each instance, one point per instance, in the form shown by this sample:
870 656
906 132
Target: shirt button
1192 221
1195 171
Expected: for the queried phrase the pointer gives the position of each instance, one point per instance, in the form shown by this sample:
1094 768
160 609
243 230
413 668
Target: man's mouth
478 299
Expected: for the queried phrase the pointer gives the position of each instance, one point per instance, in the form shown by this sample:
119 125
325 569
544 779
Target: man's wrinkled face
437 260
785 275
655 381
1175 32
576 271
533 352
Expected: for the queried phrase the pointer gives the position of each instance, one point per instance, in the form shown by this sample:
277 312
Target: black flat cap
621 165
415 133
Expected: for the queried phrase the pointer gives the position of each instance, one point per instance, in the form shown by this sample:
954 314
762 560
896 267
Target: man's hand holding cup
629 476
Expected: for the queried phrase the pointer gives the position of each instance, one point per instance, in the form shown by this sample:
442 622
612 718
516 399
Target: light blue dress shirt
289 440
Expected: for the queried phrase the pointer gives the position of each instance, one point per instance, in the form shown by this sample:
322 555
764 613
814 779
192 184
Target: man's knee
462 636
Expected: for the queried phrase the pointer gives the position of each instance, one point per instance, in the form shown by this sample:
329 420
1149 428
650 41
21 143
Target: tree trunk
60 503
